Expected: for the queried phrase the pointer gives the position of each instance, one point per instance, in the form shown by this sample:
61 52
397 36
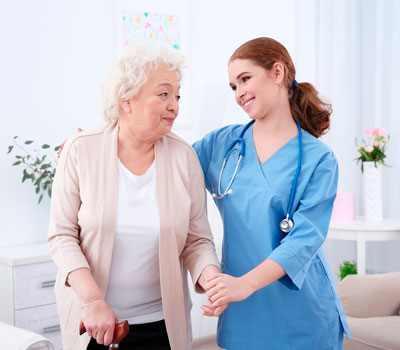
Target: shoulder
317 152
227 132
84 142
218 136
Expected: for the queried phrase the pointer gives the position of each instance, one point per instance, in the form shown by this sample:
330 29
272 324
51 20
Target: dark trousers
146 336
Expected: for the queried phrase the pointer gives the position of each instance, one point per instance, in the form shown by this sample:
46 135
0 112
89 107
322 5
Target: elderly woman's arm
94 307
64 243
199 253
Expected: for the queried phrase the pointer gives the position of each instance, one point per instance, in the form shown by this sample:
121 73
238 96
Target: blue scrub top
301 310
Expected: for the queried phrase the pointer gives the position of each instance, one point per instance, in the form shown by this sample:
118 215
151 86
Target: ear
278 71
125 106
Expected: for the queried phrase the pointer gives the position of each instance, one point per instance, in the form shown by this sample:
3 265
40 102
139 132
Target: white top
134 291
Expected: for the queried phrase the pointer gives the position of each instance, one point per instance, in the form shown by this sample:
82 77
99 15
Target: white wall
54 57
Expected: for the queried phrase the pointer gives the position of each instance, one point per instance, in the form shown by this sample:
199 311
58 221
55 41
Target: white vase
372 192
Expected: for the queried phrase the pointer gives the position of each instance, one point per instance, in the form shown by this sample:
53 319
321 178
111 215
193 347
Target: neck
277 124
132 140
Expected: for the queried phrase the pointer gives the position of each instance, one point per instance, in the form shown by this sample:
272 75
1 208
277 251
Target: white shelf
24 254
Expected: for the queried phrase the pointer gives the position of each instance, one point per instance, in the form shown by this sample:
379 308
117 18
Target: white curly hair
131 71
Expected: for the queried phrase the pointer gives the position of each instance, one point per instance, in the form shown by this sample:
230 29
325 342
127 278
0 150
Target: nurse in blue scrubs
275 279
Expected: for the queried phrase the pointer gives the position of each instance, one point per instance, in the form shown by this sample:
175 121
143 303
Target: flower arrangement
373 149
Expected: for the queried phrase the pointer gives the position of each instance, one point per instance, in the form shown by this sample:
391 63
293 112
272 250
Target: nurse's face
256 89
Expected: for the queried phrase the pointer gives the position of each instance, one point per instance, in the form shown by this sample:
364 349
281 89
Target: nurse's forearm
263 275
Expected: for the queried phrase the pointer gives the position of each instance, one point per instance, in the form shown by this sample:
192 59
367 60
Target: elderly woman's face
155 106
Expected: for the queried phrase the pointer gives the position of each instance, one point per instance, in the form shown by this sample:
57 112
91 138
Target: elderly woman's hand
99 321
210 310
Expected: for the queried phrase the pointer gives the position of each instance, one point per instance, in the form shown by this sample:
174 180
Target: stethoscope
286 224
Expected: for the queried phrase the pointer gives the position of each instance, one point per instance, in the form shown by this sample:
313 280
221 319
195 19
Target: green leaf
18 157
26 175
49 192
28 142
57 148
10 148
45 146
17 163
40 198
15 137
37 189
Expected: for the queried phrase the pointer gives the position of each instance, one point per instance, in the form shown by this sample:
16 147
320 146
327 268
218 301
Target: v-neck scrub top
302 309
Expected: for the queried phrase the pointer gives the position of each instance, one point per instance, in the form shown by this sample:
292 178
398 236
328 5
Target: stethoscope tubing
240 140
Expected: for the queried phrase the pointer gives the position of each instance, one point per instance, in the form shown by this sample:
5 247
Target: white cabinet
27 299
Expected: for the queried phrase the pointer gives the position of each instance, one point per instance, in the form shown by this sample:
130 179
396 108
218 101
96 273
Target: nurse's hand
209 310
99 320
224 289
63 143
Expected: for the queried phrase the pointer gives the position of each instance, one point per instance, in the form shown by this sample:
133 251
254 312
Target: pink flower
382 131
376 143
375 132
369 149
369 132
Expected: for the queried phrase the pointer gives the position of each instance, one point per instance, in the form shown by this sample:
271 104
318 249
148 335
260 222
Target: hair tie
294 83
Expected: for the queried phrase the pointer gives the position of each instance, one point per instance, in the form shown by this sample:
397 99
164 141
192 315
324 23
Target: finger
108 336
207 311
217 275
220 309
79 130
212 283
220 301
217 296
212 291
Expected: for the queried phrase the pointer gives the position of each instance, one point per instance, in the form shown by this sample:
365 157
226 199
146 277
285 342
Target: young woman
274 184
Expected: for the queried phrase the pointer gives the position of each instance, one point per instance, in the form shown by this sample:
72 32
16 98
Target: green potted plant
39 165
347 268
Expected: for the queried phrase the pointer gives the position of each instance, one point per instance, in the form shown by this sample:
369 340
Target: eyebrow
166 84
238 77
242 74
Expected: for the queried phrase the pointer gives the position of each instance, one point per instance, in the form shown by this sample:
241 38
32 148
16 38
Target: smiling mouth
248 103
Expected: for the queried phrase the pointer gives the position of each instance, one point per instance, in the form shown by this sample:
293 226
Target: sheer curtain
355 56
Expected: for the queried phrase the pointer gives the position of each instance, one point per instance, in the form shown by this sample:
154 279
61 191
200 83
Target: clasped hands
222 289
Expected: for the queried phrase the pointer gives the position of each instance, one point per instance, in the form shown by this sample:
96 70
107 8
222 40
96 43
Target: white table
361 232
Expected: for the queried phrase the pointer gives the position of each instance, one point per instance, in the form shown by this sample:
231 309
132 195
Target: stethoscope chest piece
286 224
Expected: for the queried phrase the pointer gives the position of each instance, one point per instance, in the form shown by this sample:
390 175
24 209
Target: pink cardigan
83 220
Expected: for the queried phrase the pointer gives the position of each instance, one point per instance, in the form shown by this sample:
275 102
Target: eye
178 97
245 78
164 94
233 87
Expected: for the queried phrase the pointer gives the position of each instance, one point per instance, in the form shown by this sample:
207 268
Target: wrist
248 283
85 302
210 271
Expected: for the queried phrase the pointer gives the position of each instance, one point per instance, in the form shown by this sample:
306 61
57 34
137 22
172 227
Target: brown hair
306 106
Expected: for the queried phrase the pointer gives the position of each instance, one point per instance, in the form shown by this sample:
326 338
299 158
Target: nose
173 106
239 94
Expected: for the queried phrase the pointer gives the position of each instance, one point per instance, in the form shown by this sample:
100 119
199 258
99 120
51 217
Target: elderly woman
128 215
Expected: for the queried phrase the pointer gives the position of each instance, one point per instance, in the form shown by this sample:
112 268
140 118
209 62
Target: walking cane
121 330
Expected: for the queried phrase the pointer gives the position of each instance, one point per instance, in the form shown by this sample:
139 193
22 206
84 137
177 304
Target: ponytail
309 110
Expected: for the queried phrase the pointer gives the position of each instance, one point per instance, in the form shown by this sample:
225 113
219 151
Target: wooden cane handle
121 330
